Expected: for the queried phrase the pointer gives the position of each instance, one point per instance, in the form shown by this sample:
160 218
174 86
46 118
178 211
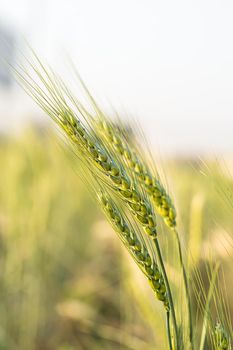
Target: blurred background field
65 282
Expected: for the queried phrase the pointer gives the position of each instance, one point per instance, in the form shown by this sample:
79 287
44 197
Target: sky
169 64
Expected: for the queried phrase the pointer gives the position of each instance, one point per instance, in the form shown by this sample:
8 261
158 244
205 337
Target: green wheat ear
112 170
138 250
55 99
140 169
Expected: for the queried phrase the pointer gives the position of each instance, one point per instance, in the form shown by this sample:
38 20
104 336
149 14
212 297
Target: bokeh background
65 282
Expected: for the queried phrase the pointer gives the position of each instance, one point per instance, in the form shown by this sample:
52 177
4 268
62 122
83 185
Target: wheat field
66 281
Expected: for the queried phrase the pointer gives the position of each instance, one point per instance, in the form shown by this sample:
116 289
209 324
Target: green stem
186 287
169 294
169 330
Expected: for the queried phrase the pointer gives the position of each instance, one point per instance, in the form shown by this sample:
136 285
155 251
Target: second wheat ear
138 250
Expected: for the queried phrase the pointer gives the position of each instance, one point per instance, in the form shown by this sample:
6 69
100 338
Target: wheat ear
53 99
138 250
125 186
151 184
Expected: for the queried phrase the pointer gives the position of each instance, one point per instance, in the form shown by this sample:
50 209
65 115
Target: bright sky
169 63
